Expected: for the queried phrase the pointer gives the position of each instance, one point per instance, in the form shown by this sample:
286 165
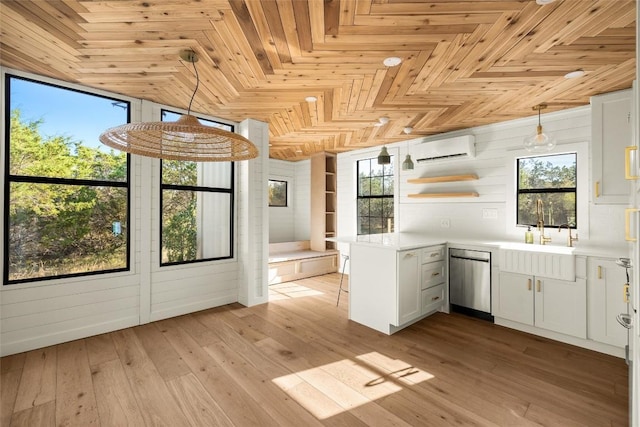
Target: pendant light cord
195 69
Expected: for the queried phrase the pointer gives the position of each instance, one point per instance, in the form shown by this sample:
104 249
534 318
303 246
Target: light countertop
408 241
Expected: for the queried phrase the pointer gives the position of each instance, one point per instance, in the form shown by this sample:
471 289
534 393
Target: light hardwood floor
298 361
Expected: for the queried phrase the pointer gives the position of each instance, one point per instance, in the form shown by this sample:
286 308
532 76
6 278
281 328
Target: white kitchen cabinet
552 304
611 132
514 298
605 282
408 287
387 287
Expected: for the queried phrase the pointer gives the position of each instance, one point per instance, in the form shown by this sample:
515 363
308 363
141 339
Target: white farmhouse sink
549 249
555 262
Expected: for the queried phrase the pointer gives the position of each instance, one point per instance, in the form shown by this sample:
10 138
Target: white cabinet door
561 306
515 298
409 287
610 134
605 281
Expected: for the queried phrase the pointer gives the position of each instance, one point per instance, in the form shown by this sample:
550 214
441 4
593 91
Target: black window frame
10 178
196 188
559 190
286 193
359 195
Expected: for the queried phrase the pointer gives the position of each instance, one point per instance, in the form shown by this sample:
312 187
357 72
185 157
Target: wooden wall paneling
288 48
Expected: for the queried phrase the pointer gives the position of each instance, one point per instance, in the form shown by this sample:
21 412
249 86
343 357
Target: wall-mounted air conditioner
458 147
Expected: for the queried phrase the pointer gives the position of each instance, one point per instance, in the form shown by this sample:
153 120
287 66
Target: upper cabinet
611 133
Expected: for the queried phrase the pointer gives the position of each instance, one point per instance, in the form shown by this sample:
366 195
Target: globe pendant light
540 141
184 139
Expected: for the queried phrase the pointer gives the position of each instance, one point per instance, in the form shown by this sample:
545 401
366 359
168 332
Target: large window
277 193
66 195
196 207
375 197
552 180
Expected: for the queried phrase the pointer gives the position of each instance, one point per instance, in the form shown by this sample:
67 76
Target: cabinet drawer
432 299
432 254
432 274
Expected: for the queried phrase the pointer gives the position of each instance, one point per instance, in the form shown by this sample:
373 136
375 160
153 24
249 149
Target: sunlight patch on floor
336 387
290 290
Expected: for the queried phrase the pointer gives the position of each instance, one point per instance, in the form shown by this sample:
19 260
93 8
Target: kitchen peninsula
397 279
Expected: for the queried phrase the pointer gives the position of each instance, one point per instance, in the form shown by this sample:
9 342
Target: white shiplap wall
293 222
302 200
34 315
494 146
281 219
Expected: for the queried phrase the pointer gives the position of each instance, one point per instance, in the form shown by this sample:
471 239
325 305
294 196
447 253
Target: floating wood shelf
447 178
442 195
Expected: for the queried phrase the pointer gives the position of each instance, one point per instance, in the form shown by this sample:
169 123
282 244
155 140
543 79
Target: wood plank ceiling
464 63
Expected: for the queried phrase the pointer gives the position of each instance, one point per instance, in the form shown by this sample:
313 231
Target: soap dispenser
528 235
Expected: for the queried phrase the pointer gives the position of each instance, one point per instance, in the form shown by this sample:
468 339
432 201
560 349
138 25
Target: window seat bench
295 260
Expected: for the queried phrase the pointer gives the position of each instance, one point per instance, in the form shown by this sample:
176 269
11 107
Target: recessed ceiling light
311 99
392 61
543 2
407 130
574 74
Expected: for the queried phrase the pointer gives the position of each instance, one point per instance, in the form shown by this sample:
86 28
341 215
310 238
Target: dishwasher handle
469 259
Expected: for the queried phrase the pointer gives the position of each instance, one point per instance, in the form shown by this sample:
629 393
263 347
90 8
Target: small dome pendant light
384 158
407 165
539 142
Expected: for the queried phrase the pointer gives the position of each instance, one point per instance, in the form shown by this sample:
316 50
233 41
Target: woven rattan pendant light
184 139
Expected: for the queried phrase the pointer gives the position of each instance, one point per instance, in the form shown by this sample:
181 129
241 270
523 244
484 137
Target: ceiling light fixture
311 99
543 2
408 163
392 61
184 139
384 158
574 74
382 121
539 142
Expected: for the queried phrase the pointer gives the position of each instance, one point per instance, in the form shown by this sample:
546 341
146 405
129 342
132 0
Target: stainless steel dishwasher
470 282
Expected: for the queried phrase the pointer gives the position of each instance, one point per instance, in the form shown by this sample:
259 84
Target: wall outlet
489 213
444 223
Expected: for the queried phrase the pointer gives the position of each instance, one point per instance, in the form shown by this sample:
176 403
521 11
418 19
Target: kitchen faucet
570 239
540 212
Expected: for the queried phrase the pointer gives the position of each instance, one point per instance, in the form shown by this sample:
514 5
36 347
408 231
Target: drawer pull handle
538 285
627 162
435 274
597 189
627 224
625 293
529 284
435 298
599 272
434 254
